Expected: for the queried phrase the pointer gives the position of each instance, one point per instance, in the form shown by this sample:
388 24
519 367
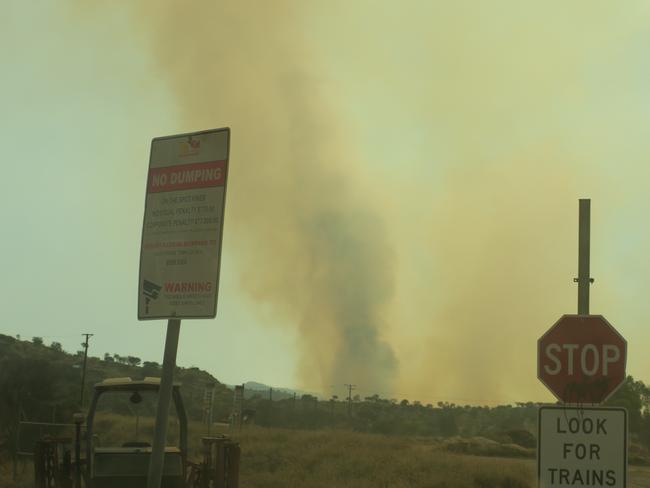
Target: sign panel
582 447
581 359
183 226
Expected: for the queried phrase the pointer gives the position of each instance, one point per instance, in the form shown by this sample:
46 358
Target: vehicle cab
126 464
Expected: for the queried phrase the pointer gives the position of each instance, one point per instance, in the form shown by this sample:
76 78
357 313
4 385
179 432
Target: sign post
180 253
583 279
157 460
581 359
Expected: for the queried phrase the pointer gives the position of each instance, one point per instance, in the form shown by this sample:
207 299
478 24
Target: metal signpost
582 447
581 359
181 248
584 243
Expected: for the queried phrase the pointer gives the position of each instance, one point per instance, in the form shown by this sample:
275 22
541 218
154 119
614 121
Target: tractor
63 463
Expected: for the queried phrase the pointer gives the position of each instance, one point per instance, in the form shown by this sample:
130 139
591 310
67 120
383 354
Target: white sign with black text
584 447
183 226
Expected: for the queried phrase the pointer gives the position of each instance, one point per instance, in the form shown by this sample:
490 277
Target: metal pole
164 399
78 421
584 280
83 372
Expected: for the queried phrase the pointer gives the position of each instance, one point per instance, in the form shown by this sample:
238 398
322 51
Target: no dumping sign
182 231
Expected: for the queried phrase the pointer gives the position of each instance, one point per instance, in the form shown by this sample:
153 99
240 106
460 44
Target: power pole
83 371
350 388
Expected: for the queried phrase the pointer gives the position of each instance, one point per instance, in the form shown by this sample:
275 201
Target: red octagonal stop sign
581 359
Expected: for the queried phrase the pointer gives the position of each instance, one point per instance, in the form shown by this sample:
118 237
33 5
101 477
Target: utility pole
583 279
83 371
350 388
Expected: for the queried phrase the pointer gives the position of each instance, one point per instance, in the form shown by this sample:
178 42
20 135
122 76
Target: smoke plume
306 245
441 232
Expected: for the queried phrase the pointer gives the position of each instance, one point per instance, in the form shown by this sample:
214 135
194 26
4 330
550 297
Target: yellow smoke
404 179
305 243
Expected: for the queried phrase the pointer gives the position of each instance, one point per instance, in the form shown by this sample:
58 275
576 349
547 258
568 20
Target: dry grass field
275 458
320 459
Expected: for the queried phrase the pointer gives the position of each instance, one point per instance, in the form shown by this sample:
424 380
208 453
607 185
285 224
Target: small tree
37 341
56 346
108 357
133 361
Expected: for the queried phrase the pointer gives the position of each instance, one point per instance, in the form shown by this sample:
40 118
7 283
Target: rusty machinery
58 462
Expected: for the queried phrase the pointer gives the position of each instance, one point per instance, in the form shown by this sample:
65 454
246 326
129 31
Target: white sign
582 447
183 226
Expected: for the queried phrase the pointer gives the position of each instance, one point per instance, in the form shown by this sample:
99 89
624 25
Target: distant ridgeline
40 382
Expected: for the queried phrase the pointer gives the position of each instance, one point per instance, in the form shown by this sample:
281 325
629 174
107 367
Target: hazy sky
403 194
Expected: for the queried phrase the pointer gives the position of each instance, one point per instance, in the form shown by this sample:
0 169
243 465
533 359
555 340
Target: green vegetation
303 440
506 424
41 383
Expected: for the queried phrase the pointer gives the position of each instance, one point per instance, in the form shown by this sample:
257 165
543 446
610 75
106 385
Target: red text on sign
186 177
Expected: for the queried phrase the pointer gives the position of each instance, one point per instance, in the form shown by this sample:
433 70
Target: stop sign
581 359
